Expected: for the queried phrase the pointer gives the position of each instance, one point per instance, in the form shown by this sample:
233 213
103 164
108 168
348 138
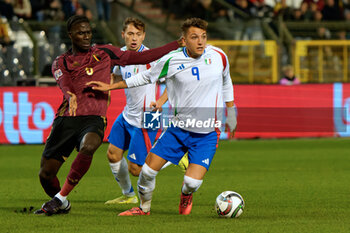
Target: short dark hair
76 19
135 22
194 22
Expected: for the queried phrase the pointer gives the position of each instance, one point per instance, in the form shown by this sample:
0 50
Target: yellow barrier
251 61
322 60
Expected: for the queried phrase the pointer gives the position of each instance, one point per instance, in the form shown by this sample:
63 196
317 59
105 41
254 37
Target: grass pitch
298 185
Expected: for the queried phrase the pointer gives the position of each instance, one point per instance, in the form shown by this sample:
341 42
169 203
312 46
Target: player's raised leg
59 146
89 144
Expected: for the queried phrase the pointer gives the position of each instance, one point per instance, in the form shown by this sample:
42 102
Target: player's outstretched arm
145 57
137 80
101 86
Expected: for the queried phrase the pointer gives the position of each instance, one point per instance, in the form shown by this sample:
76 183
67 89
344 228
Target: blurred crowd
54 9
210 10
288 10
299 10
41 10
16 47
15 43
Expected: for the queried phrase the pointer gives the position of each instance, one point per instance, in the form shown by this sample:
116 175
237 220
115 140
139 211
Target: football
229 204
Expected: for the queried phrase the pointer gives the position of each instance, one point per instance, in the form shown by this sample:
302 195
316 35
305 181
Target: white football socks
145 186
63 199
190 185
121 175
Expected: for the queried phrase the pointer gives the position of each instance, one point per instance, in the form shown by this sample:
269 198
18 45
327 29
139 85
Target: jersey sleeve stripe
165 69
65 65
223 57
110 53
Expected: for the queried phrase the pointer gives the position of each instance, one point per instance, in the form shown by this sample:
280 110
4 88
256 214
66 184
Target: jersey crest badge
207 61
136 70
89 71
58 73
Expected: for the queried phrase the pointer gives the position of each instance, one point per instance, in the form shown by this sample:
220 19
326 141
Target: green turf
299 185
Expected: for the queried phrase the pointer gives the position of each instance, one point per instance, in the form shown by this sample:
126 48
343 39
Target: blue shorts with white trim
174 142
128 137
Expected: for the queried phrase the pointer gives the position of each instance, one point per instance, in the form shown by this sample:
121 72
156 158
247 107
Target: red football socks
78 169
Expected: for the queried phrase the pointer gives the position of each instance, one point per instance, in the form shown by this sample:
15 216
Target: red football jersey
73 71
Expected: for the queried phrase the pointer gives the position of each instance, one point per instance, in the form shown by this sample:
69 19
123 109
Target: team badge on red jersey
89 71
58 73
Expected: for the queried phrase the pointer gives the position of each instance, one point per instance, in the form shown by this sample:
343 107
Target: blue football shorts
174 142
137 141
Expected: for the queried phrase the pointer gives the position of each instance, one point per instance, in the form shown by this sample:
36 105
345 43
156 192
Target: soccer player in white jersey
126 133
198 82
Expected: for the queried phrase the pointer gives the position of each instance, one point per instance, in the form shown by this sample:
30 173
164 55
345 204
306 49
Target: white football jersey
197 87
138 98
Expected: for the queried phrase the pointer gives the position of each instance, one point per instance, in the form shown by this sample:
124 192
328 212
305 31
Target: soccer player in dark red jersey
81 119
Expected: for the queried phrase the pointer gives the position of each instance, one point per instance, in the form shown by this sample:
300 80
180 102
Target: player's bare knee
134 169
88 149
89 144
113 156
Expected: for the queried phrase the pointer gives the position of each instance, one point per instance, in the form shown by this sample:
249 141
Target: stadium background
292 184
